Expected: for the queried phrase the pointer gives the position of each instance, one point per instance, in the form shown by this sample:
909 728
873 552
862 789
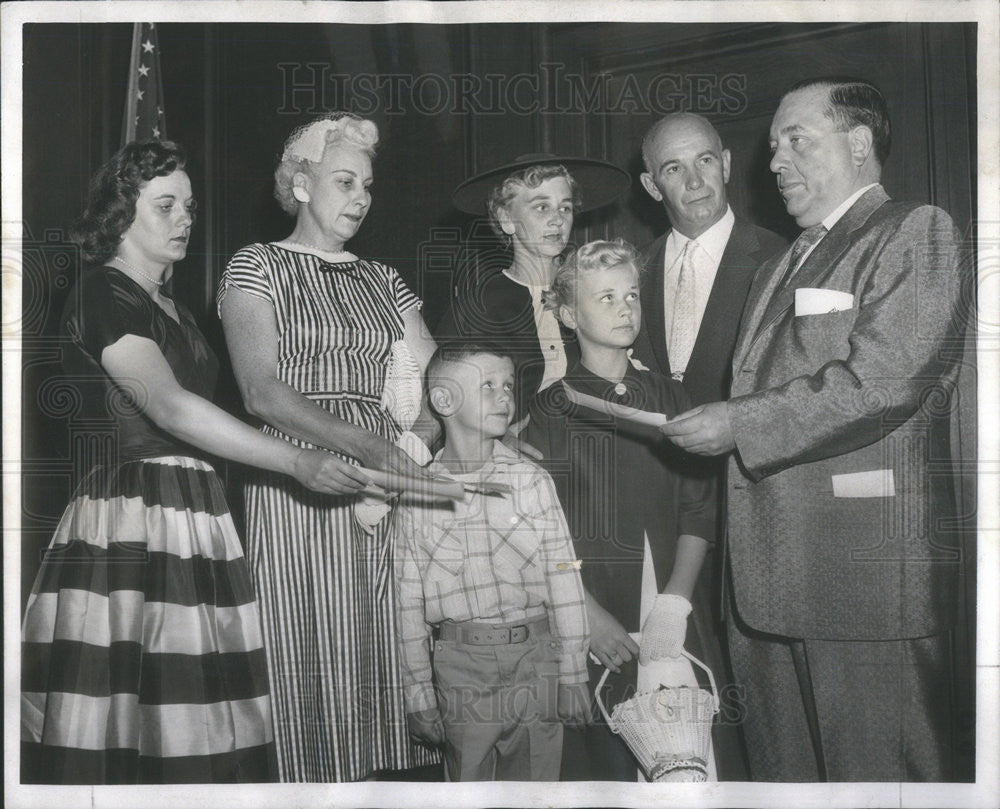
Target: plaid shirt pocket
446 559
445 563
516 556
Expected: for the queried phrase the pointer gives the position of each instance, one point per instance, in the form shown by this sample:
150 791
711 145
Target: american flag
144 117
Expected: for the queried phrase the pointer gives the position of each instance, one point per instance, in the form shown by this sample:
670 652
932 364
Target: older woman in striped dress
310 329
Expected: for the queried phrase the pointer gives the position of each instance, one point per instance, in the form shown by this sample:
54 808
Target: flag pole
131 96
161 117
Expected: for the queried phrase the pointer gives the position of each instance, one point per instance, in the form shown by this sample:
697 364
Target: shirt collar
502 454
713 241
845 206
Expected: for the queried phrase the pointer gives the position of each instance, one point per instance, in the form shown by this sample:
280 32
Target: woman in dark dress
531 204
142 659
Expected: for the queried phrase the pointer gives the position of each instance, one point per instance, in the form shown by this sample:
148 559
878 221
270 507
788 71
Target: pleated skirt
328 612
142 654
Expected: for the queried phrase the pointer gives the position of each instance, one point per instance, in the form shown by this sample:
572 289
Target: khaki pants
499 706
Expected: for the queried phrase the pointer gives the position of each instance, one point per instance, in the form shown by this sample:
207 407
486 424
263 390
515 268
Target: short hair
531 177
113 192
339 127
855 102
452 353
596 255
654 130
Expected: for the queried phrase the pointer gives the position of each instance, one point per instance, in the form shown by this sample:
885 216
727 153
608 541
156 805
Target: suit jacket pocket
824 337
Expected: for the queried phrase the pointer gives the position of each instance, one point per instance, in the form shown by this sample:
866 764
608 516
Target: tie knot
807 239
687 256
811 235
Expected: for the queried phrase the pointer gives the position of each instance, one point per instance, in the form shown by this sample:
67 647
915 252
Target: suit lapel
728 294
653 292
767 303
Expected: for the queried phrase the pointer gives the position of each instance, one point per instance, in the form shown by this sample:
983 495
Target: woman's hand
609 641
324 472
376 452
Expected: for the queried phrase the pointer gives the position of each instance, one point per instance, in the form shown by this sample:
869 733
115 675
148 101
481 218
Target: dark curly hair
114 190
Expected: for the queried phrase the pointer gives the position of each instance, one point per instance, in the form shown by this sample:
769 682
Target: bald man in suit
844 559
689 325
696 281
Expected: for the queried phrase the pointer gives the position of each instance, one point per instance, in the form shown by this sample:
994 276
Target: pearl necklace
135 269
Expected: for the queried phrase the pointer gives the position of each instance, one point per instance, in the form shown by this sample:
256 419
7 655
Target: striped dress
142 658
324 584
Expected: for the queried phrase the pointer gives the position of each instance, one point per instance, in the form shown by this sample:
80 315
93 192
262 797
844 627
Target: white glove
664 628
401 397
403 391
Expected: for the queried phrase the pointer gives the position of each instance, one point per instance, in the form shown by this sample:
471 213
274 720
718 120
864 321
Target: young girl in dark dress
142 657
624 493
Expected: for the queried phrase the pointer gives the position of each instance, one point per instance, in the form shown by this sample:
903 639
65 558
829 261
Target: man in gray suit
844 558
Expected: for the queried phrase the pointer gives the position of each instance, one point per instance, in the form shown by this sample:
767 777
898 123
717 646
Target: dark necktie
809 237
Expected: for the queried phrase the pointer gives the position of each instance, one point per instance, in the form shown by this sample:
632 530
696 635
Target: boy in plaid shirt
492 583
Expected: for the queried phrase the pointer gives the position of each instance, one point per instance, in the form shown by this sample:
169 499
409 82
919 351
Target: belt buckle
494 637
521 631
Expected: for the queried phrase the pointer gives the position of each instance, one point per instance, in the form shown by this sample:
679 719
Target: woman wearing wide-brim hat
531 203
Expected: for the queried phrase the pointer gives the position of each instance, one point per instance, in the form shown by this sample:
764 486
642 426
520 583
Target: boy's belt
477 634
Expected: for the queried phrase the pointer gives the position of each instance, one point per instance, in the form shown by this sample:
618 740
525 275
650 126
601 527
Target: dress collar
629 391
326 256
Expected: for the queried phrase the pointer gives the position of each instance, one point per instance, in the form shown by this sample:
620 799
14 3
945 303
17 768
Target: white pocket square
821 301
875 483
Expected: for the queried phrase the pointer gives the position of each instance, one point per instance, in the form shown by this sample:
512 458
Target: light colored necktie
683 330
807 238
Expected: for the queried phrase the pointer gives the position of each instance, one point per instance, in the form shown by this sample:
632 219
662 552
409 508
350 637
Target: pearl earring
300 193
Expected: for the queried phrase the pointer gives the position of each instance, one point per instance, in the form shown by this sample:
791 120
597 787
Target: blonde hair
596 255
307 144
531 177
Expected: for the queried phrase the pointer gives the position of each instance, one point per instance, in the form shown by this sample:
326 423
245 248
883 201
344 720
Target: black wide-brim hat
600 182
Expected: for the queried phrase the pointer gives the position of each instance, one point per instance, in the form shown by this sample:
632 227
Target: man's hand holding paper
703 430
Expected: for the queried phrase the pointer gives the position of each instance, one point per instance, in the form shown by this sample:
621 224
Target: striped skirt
142 656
